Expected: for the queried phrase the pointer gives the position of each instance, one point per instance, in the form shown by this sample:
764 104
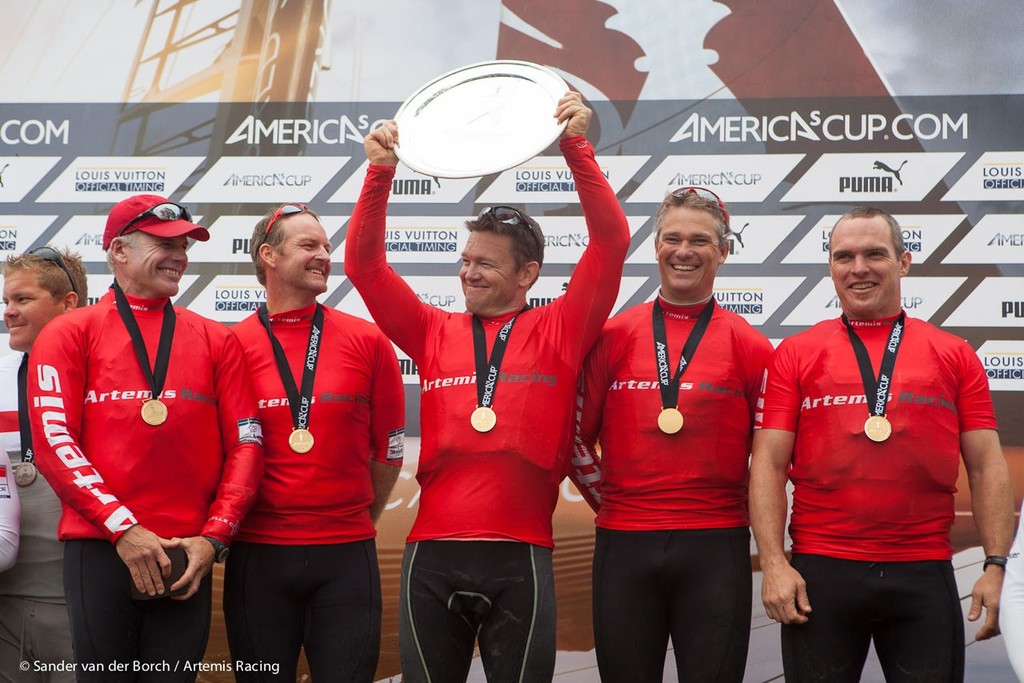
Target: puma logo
738 235
880 166
2 174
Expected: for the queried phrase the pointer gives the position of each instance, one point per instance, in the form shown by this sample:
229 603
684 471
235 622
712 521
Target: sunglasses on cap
284 210
168 211
51 255
707 194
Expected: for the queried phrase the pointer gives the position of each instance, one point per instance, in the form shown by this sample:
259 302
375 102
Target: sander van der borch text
236 666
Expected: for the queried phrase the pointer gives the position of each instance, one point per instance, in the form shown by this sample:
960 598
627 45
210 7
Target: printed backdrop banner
792 112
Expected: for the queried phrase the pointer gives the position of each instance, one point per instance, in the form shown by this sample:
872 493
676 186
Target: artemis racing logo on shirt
504 377
54 421
828 400
645 385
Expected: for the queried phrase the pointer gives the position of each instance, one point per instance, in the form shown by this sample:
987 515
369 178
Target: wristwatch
998 560
220 551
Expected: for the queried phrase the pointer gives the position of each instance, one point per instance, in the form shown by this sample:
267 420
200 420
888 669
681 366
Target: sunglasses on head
168 211
284 210
509 216
51 255
505 214
707 194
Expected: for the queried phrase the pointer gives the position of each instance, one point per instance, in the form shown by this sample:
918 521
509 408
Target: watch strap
998 560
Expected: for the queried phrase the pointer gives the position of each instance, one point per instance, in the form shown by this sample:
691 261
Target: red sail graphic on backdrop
581 45
791 49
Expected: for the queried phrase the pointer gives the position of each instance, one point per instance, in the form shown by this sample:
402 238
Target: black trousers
324 598
910 609
116 638
693 585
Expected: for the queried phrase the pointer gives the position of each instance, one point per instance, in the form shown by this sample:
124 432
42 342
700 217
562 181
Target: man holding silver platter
869 415
498 387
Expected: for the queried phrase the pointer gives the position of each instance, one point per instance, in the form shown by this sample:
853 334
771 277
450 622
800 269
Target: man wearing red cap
145 424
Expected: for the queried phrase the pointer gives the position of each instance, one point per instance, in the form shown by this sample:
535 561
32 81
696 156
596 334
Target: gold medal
300 440
483 419
670 420
24 473
154 412
878 428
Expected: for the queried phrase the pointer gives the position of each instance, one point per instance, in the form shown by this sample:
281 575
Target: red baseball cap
151 214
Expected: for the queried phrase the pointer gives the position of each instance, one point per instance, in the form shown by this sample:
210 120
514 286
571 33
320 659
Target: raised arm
595 281
392 303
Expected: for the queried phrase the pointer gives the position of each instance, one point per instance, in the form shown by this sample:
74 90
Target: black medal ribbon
23 424
876 390
669 386
299 399
157 375
487 368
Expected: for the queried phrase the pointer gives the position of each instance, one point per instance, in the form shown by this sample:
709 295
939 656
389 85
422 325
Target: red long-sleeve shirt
503 483
195 474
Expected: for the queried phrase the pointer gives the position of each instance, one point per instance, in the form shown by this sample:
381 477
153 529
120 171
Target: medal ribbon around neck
158 374
669 385
24 471
24 427
487 369
299 399
876 390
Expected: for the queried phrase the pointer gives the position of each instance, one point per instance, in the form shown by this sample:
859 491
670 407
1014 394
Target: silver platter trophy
481 119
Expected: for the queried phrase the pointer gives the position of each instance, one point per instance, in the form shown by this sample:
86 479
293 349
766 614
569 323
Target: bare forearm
768 507
384 477
992 505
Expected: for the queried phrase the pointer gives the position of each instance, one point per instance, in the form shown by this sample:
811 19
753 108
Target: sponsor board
5 341
872 177
996 302
995 176
443 291
753 239
408 187
99 284
548 179
111 179
232 298
422 239
18 234
817 126
922 235
997 238
18 175
921 298
756 299
230 237
566 237
548 288
440 291
340 130
1004 364
264 180
733 177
